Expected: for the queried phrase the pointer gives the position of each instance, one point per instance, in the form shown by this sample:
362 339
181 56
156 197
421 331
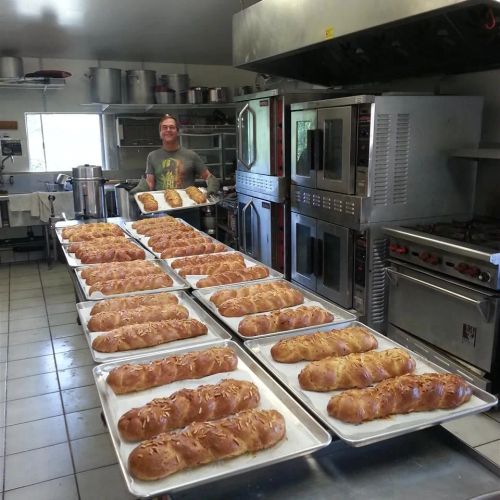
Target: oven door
334 263
460 320
303 242
304 133
254 136
336 171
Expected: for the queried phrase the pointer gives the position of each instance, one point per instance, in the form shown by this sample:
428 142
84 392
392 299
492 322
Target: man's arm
150 179
150 173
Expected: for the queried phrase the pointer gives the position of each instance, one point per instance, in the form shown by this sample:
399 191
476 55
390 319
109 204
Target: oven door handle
244 225
484 306
256 249
318 150
319 259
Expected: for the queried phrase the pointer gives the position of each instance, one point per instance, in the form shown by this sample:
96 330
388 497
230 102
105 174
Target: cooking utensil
140 86
179 83
11 67
105 85
218 94
197 95
164 95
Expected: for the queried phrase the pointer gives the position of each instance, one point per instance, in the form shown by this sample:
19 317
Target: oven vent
378 283
381 159
401 153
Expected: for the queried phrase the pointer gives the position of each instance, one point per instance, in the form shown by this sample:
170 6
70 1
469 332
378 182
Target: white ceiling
176 31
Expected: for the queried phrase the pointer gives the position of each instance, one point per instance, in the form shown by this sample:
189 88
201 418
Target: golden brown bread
214 268
150 334
105 232
160 239
108 241
261 302
96 228
163 230
127 303
193 365
193 250
405 394
196 260
121 273
320 345
355 370
138 224
101 268
134 284
227 277
206 402
164 245
173 198
204 442
196 195
105 321
123 254
288 319
247 291
149 202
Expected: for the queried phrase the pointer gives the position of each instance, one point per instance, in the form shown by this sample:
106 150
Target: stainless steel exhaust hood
338 42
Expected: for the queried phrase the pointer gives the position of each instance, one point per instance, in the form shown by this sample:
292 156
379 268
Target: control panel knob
399 249
484 277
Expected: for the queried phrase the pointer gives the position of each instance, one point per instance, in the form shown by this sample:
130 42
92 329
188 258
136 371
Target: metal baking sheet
215 331
59 228
304 435
163 206
75 262
310 299
375 430
192 279
177 285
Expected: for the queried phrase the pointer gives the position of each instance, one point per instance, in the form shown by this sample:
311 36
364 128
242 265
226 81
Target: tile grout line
60 394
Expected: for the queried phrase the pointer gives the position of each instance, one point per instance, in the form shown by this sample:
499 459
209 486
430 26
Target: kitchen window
57 142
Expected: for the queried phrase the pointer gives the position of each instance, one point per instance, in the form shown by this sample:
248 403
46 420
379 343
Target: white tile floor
53 444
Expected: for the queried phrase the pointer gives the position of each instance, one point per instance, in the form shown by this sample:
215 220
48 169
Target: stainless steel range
444 294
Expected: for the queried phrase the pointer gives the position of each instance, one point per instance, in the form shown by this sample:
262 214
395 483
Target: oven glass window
304 250
333 149
302 151
331 261
247 137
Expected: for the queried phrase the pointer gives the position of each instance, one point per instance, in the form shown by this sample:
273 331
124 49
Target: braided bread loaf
288 319
206 402
196 260
88 235
227 277
101 268
164 245
119 273
193 365
149 202
95 227
127 303
96 243
164 219
214 268
320 345
120 254
247 291
125 338
134 284
173 198
105 321
261 302
163 229
204 442
173 235
355 370
405 394
196 195
193 250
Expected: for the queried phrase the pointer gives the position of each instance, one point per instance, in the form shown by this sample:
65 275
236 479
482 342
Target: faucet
4 159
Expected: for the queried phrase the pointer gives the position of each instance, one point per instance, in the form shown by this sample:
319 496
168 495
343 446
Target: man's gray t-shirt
174 169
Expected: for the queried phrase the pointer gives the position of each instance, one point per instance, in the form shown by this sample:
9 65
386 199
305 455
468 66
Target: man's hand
213 185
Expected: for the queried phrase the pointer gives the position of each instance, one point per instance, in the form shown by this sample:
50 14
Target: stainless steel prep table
426 464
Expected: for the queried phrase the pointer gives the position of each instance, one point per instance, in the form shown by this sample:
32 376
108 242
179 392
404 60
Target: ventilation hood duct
339 42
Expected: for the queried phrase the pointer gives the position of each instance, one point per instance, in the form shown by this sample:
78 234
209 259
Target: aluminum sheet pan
304 434
375 430
215 331
177 285
75 262
59 229
192 279
163 206
310 299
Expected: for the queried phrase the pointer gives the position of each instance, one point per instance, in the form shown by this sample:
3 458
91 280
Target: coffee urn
88 192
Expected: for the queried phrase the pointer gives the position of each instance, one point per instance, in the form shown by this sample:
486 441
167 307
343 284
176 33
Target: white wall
14 103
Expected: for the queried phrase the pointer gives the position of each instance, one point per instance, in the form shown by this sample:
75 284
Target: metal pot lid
88 172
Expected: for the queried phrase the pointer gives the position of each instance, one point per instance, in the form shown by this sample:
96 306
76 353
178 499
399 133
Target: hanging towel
20 210
63 203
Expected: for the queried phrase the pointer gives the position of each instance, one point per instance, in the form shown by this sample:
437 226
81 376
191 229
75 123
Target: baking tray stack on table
364 386
152 202
117 279
169 237
145 324
269 307
206 271
216 413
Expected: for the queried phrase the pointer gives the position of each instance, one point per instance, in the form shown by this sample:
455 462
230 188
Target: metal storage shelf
478 154
33 83
138 108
